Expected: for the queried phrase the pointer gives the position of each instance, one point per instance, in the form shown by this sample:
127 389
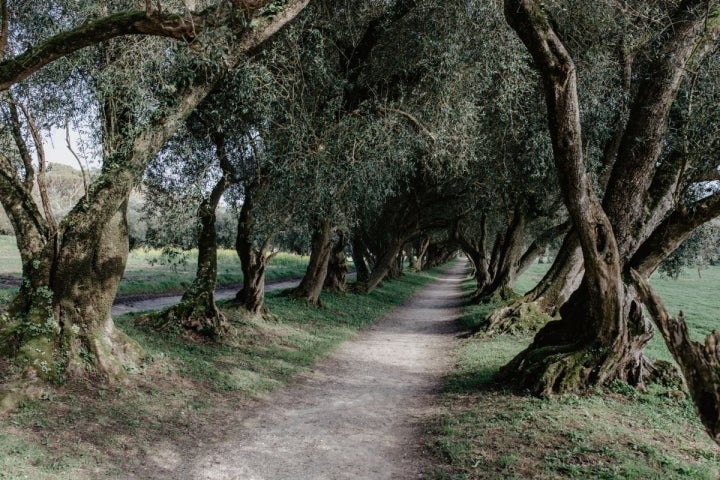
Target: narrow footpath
361 413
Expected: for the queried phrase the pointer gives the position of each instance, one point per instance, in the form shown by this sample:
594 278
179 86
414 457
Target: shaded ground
361 413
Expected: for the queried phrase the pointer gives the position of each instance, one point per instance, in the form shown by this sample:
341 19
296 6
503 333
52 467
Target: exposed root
205 320
519 318
564 358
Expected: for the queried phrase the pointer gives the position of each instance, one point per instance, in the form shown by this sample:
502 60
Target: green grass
149 272
146 273
95 430
697 295
10 263
614 433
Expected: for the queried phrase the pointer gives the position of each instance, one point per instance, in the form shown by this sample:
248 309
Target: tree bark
506 255
537 307
383 264
563 277
602 331
358 251
313 281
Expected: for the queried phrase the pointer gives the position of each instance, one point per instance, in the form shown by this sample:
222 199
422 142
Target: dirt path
360 414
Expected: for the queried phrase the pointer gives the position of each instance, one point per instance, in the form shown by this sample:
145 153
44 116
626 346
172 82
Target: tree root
205 320
519 318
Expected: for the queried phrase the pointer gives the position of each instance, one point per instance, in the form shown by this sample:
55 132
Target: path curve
360 414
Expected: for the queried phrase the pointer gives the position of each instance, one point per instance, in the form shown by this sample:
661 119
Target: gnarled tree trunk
337 267
602 330
539 305
253 261
59 324
313 281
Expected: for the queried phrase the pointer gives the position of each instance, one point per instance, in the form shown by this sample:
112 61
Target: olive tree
60 324
653 200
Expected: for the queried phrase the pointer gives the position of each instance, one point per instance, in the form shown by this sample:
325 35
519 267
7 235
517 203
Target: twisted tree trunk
602 330
253 260
313 281
337 267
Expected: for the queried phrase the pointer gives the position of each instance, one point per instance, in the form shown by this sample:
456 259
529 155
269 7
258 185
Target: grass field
151 272
618 433
84 431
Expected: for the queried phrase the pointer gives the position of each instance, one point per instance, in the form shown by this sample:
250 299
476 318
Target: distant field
696 294
148 271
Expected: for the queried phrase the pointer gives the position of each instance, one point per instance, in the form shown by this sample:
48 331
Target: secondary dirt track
360 414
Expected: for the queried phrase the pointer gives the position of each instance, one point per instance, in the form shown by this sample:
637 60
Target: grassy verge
614 433
186 390
149 272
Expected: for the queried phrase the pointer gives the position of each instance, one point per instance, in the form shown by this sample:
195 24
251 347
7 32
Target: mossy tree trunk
59 324
197 310
254 259
530 312
313 281
602 330
563 277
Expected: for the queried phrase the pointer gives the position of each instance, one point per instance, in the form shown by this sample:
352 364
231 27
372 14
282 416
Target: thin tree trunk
197 310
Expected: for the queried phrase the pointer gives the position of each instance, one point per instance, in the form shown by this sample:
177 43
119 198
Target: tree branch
644 136
5 25
699 363
21 145
672 232
42 186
